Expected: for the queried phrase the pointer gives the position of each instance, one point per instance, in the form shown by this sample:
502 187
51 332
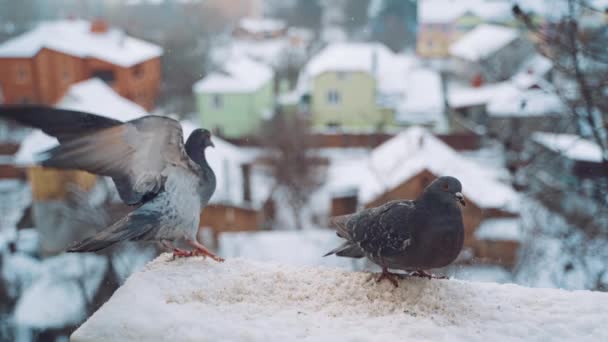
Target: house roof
413 151
569 145
499 229
532 71
93 96
238 75
482 42
460 96
514 102
73 37
445 11
261 25
422 102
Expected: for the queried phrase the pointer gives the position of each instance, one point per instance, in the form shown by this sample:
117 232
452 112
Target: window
217 101
23 74
333 97
138 70
105 75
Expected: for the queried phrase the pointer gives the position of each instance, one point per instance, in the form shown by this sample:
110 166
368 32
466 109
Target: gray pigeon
169 182
410 235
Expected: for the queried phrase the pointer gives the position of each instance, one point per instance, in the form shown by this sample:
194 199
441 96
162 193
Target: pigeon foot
424 274
200 250
388 276
181 253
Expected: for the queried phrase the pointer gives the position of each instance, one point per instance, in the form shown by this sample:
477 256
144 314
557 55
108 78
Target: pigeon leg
425 274
388 276
177 252
199 249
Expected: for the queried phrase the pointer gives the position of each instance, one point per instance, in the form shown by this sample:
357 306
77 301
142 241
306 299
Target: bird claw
424 274
389 276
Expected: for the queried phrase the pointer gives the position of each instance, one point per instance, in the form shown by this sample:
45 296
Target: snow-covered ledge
240 300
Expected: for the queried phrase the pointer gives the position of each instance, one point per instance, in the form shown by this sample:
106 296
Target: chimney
99 26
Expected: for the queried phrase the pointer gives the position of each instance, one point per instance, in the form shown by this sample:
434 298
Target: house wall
434 39
52 184
224 218
240 113
357 105
49 74
499 252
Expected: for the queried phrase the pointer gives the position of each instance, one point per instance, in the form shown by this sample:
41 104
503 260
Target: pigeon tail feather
347 249
135 226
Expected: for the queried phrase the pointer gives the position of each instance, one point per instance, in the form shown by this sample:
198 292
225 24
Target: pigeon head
200 139
446 188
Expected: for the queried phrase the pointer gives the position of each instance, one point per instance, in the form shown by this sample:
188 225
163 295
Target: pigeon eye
446 187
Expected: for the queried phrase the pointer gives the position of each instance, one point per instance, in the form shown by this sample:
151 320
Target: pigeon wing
62 124
135 154
386 230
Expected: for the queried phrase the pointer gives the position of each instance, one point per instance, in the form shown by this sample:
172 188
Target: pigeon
168 182
411 235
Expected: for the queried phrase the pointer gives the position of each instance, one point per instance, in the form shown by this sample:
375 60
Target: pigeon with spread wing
170 182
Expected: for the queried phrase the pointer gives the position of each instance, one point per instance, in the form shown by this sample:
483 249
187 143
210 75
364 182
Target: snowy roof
532 71
499 229
261 25
466 96
446 11
422 102
513 102
413 151
56 299
482 42
93 96
238 75
73 37
15 197
254 301
570 145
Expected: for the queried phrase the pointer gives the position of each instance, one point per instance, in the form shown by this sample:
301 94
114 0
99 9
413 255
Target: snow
261 25
483 273
482 42
238 75
532 71
465 96
73 37
57 298
447 11
499 229
240 300
423 100
92 96
15 197
411 152
514 102
570 145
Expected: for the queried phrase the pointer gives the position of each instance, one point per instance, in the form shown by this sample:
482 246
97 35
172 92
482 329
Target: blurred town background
319 108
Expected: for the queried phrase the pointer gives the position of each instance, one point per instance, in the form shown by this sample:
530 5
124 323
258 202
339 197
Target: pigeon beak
211 143
460 198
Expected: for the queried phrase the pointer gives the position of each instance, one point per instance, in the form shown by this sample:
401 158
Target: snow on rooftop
92 96
15 198
57 298
532 71
570 145
413 151
465 96
482 42
499 229
423 100
74 37
261 25
240 300
238 75
447 11
514 102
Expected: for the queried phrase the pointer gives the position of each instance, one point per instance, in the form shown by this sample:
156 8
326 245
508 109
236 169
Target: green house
234 101
365 86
